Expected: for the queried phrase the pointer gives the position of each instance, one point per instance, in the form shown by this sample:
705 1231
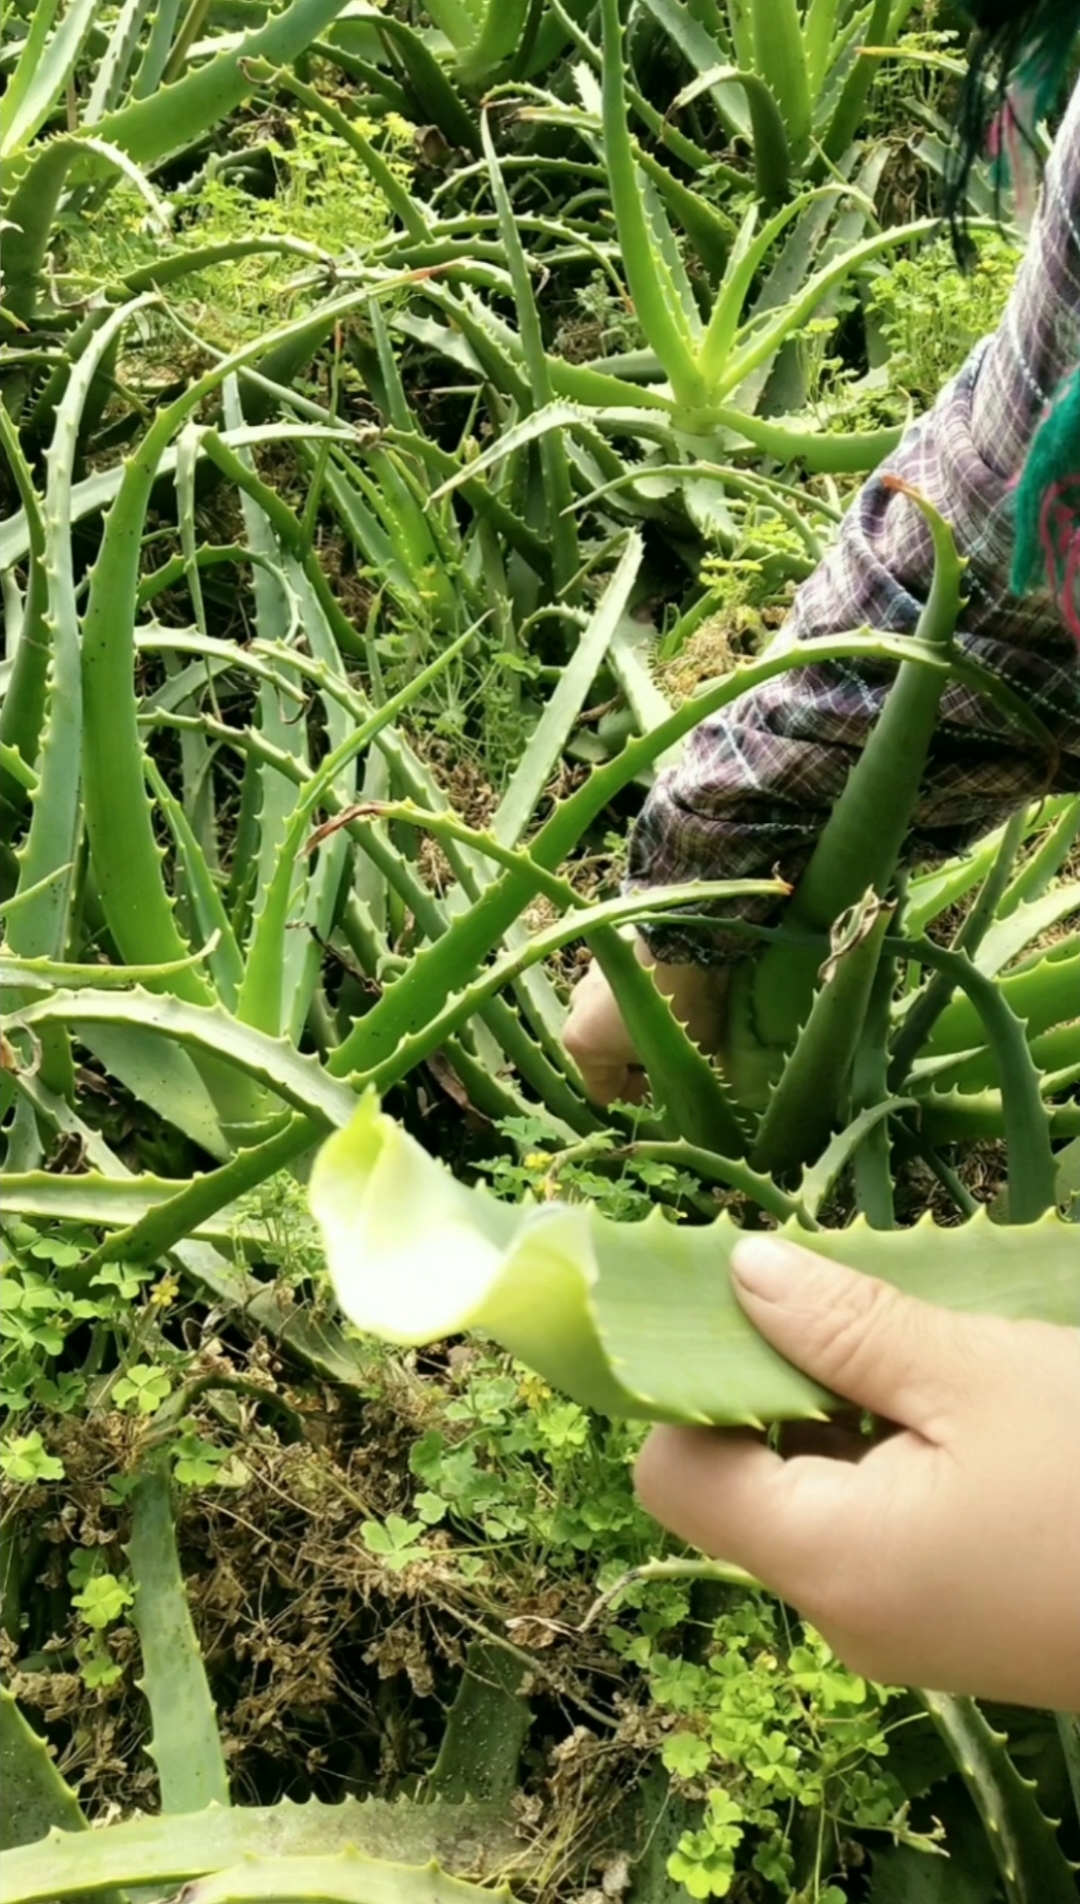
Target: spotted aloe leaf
633 1319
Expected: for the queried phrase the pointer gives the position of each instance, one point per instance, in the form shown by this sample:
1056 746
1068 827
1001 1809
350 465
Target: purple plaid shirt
758 780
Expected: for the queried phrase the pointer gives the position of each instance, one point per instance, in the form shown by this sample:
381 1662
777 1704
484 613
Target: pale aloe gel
415 1255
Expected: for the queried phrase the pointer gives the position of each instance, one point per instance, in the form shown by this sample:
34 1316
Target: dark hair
1024 43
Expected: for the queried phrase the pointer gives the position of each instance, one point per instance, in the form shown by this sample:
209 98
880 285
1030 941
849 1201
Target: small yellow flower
166 1292
533 1391
537 1159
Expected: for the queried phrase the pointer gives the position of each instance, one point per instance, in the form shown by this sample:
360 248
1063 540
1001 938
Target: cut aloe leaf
632 1319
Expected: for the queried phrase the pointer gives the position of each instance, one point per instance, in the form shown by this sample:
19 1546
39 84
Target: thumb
866 1341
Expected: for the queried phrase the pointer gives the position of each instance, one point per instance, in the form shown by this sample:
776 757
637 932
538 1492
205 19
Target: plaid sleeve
757 781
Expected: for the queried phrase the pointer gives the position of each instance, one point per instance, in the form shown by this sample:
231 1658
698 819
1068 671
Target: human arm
757 782
948 1555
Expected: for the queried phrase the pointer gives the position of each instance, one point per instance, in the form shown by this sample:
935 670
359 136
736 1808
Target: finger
729 1494
888 1352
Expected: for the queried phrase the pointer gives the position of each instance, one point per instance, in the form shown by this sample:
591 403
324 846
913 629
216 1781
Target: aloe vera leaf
116 1201
768 132
1033 1867
848 113
46 973
34 189
780 58
819 29
25 69
118 815
931 893
325 881
160 1075
439 969
819 1181
557 490
757 342
705 54
684 1081
1042 994
1052 1051
1068 1183
975 1117
437 101
22 712
824 454
919 1022
117 61
1046 861
55 1113
14 766
155 639
171 1850
33 205
550 417
223 956
804 1106
630 659
655 297
574 1295
486 1729
553 1084
546 742
37 1799
55 821
41 75
748 255
175 116
873 1172
1027 1128
260 1001
272 1062
343 1877
733 1172
96 492
503 25
52 841
186 1746
276 608
445 468
706 226
860 843
1008 937
668 249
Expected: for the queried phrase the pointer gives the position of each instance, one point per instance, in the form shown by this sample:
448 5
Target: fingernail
766 1267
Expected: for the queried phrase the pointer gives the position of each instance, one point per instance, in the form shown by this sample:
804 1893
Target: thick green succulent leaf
1033 1867
633 1319
205 1030
36 1798
171 1850
345 1877
186 1745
